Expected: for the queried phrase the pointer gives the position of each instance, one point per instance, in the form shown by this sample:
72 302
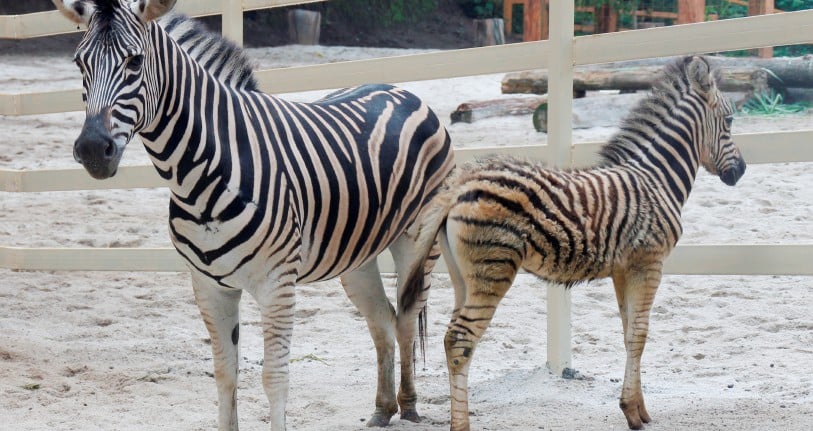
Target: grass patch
771 103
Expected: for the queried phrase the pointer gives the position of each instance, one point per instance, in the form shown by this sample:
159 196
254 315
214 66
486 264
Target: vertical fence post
560 137
232 20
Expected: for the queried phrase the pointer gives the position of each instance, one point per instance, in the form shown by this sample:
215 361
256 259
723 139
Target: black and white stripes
265 193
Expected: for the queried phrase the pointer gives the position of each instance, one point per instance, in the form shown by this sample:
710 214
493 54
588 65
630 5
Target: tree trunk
304 26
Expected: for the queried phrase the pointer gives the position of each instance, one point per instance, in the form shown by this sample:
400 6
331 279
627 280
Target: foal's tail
431 221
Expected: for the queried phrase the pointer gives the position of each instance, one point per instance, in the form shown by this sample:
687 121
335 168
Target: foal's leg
366 292
487 276
404 255
219 308
635 291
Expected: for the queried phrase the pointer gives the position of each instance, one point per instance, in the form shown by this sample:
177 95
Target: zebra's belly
565 272
261 258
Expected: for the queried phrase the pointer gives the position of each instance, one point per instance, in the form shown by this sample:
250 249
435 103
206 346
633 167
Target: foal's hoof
380 418
410 415
636 415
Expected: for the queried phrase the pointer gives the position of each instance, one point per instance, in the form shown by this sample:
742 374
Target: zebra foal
265 193
619 219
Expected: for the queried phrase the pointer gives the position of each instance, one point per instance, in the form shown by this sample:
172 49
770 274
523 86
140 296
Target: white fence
559 55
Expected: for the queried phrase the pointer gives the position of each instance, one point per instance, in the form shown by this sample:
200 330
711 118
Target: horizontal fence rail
794 146
738 259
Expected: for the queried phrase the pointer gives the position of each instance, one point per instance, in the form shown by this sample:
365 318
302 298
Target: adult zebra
619 219
264 193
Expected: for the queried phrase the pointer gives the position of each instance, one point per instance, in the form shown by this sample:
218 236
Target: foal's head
718 153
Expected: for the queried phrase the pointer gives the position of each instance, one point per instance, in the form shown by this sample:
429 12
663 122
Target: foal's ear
149 10
699 73
78 11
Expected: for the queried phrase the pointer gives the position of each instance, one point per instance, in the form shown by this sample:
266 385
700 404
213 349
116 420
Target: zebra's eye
134 63
728 120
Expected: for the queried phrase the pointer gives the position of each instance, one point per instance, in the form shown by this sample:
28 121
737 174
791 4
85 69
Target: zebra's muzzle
733 172
96 149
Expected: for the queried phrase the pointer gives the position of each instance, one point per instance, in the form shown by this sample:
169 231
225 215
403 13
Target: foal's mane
667 90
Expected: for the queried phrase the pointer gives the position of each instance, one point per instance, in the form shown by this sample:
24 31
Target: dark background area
438 24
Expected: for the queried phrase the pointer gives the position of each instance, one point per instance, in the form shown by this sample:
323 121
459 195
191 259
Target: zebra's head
718 153
118 68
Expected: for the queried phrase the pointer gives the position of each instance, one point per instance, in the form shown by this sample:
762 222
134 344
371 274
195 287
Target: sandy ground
128 351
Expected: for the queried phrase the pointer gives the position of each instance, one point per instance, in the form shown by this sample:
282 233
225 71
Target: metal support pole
560 137
232 20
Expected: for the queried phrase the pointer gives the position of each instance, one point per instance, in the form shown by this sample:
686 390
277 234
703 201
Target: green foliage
791 5
481 9
771 103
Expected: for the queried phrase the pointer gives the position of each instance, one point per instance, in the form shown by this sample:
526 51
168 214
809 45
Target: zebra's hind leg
366 292
219 308
635 291
405 255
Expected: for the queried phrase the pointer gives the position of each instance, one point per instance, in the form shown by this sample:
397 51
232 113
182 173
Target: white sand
128 351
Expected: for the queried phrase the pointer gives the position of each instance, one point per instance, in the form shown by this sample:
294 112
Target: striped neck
188 140
660 140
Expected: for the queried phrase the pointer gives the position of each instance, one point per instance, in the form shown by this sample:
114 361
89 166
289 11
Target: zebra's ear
699 72
149 10
78 11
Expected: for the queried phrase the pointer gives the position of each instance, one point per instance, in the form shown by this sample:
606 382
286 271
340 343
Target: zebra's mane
225 60
667 91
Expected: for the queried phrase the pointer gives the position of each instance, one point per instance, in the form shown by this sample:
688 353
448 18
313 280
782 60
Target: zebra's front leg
219 308
277 301
635 291
366 292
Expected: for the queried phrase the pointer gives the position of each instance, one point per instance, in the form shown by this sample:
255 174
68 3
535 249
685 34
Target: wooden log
782 71
304 26
489 32
596 111
470 112
734 79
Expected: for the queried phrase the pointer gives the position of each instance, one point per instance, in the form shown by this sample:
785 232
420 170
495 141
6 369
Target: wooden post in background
606 19
690 11
534 20
761 7
531 22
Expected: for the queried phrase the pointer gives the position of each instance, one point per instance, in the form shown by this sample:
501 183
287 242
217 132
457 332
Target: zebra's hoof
410 415
380 419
